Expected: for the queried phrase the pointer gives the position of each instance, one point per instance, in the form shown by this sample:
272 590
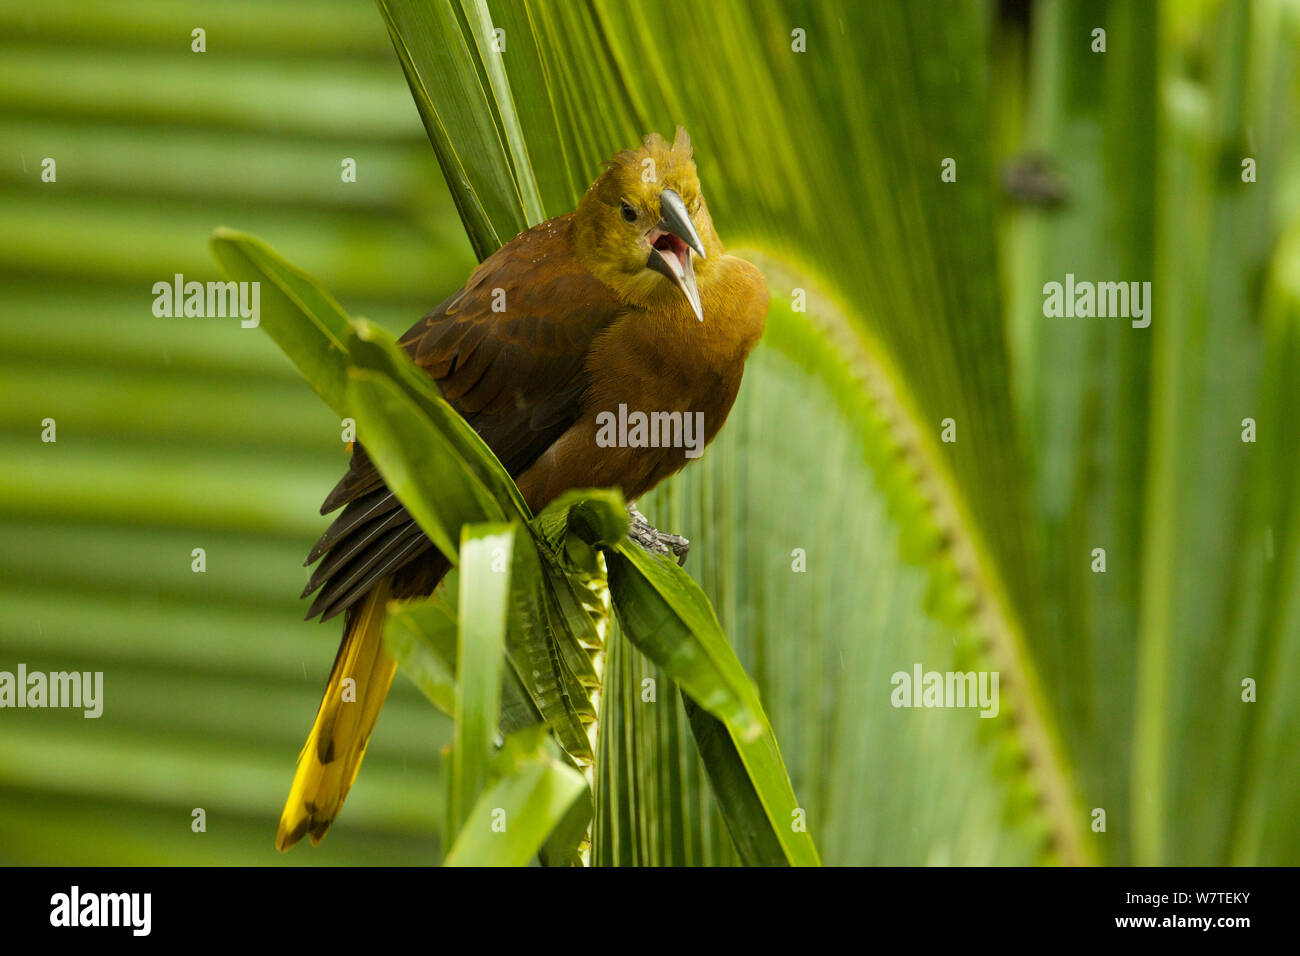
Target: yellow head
643 229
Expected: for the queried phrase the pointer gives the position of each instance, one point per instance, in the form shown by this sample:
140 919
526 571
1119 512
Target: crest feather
672 164
654 146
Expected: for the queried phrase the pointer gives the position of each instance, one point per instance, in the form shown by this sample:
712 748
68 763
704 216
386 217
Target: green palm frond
1068 436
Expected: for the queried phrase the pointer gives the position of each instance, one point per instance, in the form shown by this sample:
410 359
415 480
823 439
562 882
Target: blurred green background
1121 691
184 433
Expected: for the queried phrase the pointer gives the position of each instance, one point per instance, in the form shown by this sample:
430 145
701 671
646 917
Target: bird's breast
661 386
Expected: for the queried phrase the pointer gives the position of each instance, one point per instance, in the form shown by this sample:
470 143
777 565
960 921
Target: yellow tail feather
332 755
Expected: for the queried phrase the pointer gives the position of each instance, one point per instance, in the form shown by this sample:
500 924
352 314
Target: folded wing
509 353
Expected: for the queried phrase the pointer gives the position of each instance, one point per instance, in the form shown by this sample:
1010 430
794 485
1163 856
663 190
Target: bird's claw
653 540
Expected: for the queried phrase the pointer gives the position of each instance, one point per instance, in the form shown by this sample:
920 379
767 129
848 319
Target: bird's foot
652 539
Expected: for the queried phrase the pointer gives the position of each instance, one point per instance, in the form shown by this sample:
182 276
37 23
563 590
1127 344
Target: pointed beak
678 221
672 241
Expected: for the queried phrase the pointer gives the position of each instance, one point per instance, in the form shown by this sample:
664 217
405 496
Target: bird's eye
629 214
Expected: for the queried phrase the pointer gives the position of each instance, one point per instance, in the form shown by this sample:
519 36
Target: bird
630 300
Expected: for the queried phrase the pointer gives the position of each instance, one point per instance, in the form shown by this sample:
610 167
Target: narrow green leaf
664 612
373 348
513 818
666 615
461 123
767 825
563 846
485 552
417 461
297 312
421 637
491 47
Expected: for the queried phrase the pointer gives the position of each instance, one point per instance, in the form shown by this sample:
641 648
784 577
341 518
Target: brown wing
509 353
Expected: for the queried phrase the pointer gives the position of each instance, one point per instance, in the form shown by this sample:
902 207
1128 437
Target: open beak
672 241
